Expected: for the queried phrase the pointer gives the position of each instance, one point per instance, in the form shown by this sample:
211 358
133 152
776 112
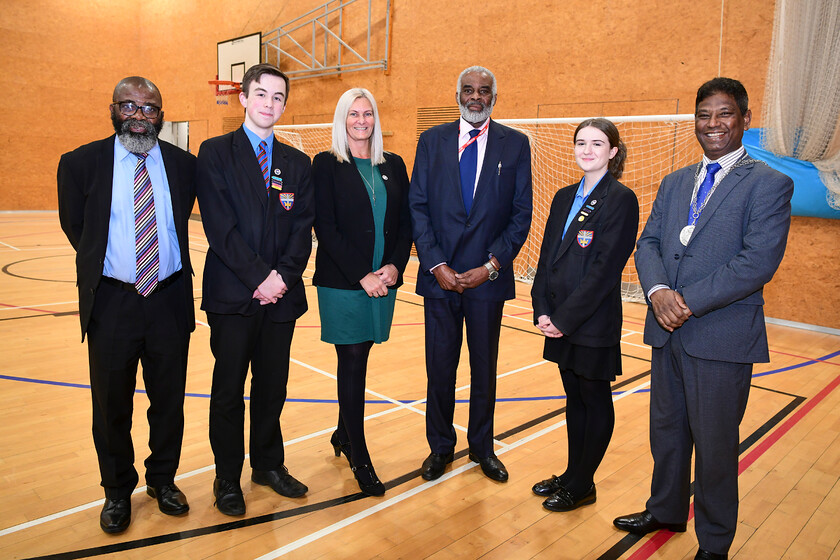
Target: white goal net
656 146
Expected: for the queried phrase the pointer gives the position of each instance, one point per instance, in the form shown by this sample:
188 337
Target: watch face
494 274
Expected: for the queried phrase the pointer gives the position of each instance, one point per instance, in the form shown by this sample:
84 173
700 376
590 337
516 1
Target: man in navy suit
715 236
470 201
256 200
131 316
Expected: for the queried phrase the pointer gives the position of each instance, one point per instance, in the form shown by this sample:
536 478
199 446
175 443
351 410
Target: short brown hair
257 71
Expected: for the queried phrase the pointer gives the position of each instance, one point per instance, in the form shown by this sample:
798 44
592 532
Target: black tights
352 369
590 419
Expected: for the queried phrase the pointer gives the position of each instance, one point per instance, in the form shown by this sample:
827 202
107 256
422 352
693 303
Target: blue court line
382 401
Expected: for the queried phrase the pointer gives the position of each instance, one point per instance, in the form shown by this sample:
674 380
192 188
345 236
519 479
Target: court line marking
312 537
201 470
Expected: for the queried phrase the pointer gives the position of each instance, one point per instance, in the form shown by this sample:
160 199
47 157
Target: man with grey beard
124 203
470 201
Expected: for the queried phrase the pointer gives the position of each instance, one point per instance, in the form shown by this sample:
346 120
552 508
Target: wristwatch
492 270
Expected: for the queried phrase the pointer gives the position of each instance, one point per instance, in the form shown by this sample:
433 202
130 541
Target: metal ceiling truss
328 52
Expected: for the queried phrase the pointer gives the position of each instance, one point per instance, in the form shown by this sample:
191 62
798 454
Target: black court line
630 540
268 518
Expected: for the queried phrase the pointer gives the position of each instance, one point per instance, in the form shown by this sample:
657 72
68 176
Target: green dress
351 316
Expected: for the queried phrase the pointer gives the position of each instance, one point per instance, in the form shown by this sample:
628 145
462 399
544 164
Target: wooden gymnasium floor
49 487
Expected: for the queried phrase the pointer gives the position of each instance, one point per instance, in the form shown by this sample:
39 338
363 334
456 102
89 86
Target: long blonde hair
340 148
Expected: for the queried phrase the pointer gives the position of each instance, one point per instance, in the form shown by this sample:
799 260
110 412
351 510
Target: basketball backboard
235 56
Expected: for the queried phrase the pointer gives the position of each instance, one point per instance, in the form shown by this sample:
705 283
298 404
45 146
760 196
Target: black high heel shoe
369 483
339 447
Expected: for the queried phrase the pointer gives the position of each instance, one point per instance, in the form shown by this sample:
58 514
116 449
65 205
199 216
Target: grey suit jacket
736 247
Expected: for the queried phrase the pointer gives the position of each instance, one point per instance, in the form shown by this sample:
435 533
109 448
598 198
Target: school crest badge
584 237
287 199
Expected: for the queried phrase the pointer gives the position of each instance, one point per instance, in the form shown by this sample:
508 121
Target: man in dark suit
124 203
470 201
255 198
715 236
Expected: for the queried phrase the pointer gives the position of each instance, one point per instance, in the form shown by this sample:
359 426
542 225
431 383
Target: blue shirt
121 254
580 198
255 143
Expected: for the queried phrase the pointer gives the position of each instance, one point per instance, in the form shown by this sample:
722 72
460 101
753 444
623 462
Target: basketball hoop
233 88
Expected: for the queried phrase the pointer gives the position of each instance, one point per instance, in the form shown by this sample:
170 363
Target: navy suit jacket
85 184
498 222
578 278
736 247
250 234
344 221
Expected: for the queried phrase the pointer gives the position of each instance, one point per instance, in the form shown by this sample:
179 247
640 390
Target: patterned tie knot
712 168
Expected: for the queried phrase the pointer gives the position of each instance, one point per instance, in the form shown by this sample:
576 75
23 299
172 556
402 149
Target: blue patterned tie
703 192
262 158
469 161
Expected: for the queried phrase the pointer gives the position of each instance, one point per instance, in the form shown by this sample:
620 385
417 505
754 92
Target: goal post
656 146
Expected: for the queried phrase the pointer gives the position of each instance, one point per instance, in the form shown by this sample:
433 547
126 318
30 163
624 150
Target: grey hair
480 69
340 148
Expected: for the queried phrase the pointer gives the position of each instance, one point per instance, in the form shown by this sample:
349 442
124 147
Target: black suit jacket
578 278
250 234
85 181
344 221
498 221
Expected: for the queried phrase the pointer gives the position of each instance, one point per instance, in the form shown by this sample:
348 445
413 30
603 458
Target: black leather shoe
706 555
229 498
369 483
280 481
115 516
339 448
170 499
435 464
563 500
547 487
491 467
644 522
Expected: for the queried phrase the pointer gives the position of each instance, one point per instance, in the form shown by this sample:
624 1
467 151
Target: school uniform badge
277 183
287 199
584 237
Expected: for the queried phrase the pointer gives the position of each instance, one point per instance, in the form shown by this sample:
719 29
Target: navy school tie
468 163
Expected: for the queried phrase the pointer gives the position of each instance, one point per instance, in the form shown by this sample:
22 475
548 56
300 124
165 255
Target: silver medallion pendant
685 234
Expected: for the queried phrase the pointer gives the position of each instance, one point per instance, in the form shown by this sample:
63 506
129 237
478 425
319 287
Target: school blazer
578 278
251 233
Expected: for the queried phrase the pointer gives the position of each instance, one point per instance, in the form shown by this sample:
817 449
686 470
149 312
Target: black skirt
597 364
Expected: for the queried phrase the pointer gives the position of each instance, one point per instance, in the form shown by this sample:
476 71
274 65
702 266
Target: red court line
659 539
805 358
26 308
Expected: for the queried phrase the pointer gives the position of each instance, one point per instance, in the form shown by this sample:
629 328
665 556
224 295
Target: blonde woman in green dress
364 238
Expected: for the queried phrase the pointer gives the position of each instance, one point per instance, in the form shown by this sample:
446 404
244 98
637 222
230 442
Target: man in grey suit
715 236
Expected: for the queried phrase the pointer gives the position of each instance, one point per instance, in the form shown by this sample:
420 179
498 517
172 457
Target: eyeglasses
128 108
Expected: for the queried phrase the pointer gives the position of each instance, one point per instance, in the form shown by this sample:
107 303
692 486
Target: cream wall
63 59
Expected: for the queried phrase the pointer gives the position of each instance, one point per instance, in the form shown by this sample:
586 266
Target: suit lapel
591 206
246 159
490 167
173 175
717 197
105 180
275 172
449 145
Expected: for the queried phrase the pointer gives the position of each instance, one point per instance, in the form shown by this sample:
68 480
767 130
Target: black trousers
237 342
445 320
126 329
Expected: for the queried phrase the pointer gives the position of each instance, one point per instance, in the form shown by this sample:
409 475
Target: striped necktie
262 157
145 230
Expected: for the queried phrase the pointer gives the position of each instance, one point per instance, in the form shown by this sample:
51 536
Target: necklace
370 185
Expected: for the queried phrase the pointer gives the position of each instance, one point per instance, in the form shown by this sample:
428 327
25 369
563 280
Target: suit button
468 224
553 295
554 270
676 257
93 290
